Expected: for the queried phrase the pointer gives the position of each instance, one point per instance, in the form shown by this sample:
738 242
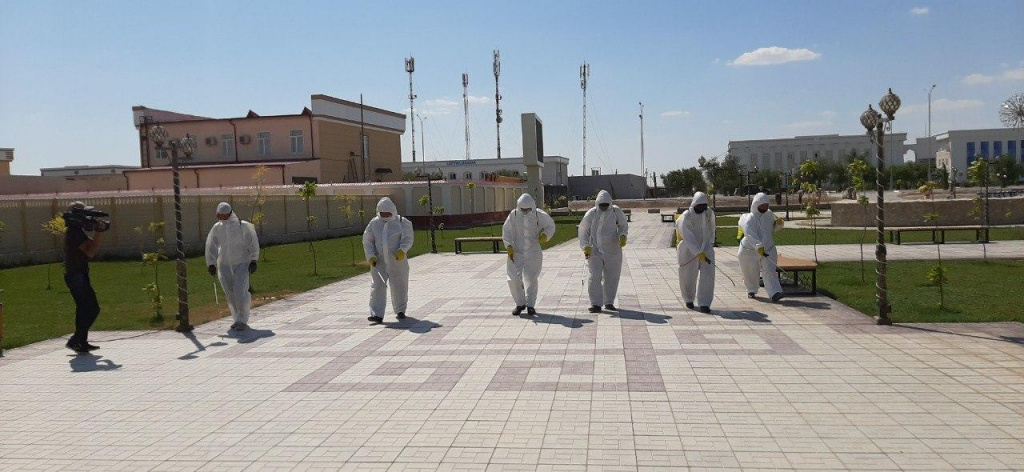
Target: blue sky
71 71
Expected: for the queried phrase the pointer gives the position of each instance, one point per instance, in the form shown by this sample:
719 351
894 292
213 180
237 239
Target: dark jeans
87 308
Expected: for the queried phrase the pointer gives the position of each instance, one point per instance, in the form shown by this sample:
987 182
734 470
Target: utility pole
931 154
410 66
465 107
497 97
643 169
584 75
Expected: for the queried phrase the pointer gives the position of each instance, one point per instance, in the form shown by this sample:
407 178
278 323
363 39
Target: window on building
1011 148
984 149
970 153
296 140
803 156
452 176
483 175
765 158
997 148
828 155
468 175
227 146
263 142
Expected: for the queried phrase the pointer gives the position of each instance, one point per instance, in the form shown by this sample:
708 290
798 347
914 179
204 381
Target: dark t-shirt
75 261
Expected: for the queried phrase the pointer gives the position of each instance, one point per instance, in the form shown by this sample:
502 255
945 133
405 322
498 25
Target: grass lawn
33 313
793 236
977 291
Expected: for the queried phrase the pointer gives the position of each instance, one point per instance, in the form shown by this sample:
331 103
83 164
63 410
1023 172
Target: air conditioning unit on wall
211 141
244 139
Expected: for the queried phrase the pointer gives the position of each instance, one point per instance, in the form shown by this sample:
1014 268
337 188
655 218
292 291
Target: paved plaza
464 385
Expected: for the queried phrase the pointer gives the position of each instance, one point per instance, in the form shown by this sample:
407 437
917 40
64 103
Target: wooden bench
794 267
494 240
668 216
980 232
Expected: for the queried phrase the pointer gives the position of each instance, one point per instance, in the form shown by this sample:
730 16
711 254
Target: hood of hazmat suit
758 228
231 241
697 230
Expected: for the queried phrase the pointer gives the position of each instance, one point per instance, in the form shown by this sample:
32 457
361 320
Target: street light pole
875 125
931 154
430 203
188 147
789 179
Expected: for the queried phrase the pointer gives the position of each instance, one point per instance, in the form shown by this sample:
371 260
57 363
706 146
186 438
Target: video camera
87 218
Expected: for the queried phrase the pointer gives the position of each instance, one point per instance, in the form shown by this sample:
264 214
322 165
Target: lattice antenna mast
497 97
410 67
584 75
465 107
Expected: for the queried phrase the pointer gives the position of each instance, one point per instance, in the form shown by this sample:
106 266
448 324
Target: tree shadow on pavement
742 315
199 346
804 304
91 363
636 315
547 318
413 325
249 335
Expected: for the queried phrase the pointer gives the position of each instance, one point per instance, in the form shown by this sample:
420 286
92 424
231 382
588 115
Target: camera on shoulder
86 218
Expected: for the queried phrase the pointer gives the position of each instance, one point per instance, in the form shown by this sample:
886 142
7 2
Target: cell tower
643 170
410 66
465 107
497 97
584 75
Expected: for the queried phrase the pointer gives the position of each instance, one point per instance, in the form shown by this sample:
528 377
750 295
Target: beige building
320 144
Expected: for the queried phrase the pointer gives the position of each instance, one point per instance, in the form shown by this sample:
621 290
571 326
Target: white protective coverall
601 232
758 232
521 232
231 245
696 278
383 238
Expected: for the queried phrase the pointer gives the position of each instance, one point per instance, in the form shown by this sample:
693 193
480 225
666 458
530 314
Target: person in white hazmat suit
232 248
602 236
757 255
696 253
524 229
386 242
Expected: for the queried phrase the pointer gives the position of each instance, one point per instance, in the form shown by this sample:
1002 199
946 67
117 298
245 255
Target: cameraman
81 241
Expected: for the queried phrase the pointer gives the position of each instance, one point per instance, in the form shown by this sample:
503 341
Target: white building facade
555 171
957 149
785 154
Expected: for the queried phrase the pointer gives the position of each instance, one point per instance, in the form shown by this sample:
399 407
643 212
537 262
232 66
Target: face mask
700 208
762 210
526 210
603 206
388 217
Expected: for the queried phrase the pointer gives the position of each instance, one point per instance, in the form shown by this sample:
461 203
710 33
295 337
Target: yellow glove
543 238
739 233
400 255
760 251
779 221
703 257
622 241
587 251
373 261
511 253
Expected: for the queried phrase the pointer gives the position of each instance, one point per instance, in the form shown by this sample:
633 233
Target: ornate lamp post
876 125
186 146
430 205
747 189
788 175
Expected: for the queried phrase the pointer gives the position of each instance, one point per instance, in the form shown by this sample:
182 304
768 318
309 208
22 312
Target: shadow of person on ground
639 316
548 318
413 325
91 363
742 315
248 336
199 346
791 302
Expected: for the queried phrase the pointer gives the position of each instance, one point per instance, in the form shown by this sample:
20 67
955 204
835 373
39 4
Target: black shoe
90 347
401 315
750 295
610 307
594 309
705 309
77 347
519 310
375 319
689 305
531 311
777 297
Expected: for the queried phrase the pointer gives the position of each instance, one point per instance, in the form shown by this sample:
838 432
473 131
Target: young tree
56 228
259 198
471 186
152 259
858 170
346 202
978 174
812 212
936 274
307 192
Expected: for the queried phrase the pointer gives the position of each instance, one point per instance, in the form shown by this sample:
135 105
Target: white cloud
774 56
674 114
1007 76
943 104
478 100
919 11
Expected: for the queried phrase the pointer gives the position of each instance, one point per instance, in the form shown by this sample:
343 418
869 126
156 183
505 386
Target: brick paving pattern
462 385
